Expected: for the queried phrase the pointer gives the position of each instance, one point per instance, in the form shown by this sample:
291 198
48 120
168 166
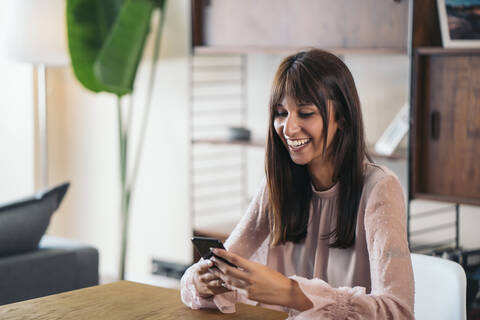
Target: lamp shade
34 31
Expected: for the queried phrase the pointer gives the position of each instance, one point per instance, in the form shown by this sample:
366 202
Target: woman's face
300 127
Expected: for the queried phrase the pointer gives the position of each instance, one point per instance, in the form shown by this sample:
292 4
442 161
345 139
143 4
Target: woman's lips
297 145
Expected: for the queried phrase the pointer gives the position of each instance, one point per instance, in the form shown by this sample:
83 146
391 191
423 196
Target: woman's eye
280 113
305 114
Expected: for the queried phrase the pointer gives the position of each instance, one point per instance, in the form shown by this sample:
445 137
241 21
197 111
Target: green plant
106 40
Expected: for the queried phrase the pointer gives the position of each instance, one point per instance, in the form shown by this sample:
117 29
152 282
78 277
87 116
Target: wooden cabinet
446 125
445 115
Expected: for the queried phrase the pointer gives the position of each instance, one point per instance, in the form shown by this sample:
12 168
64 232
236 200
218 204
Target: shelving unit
445 127
218 170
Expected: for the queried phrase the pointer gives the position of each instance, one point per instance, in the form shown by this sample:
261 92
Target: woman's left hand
258 282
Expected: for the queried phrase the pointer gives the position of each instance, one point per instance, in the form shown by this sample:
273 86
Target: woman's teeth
297 143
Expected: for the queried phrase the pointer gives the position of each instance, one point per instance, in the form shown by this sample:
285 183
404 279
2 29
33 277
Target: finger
207 277
230 282
204 265
229 271
215 283
232 257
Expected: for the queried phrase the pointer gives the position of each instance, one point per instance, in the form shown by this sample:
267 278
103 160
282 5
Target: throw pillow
23 222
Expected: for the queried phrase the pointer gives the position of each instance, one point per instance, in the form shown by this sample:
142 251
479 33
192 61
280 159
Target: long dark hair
317 77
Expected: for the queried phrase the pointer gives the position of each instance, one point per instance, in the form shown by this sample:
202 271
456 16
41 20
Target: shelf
398 155
208 50
446 198
257 143
218 231
446 51
250 26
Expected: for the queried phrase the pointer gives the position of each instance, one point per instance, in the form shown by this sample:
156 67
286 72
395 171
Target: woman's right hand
206 283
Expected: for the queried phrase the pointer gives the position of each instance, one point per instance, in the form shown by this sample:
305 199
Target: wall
16 130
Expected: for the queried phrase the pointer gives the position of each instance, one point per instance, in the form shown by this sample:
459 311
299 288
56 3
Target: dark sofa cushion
23 222
58 265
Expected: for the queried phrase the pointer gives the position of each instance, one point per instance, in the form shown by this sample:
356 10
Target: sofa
58 265
33 264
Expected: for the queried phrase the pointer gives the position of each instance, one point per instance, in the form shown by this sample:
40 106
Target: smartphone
203 245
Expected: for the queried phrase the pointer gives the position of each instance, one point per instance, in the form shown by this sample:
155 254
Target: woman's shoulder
378 177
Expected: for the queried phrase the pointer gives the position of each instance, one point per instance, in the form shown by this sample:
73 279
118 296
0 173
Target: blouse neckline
329 193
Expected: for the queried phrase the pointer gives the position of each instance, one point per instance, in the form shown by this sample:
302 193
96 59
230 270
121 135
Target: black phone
203 245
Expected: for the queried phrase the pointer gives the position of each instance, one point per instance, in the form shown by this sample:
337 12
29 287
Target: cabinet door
300 23
446 137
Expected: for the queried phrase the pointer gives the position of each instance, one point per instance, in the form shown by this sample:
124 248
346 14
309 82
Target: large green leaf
88 25
117 63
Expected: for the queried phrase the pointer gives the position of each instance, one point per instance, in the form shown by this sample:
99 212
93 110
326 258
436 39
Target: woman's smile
297 145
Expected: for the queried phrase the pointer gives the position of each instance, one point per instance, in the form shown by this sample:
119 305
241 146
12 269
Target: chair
440 288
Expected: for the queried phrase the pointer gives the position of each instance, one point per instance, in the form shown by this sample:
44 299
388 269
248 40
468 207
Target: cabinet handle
435 124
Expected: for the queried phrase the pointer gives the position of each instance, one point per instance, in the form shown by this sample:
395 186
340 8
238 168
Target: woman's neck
322 175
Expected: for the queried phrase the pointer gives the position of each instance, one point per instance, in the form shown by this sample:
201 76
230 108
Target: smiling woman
325 236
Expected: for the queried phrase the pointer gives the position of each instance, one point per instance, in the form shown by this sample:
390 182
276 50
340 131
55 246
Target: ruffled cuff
225 302
328 303
189 294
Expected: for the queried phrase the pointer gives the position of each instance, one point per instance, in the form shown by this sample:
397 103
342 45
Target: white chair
440 288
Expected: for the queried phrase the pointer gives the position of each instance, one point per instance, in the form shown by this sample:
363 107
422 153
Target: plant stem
124 192
128 186
148 103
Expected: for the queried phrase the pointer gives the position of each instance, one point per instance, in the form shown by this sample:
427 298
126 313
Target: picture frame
459 23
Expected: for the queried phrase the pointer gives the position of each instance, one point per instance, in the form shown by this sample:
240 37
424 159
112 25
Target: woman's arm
392 292
245 239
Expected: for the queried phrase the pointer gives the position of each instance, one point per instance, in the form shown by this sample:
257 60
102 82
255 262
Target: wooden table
123 300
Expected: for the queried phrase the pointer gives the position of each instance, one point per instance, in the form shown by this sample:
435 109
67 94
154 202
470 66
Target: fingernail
213 250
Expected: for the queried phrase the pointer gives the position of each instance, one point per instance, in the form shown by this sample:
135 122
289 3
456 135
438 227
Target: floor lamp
35 33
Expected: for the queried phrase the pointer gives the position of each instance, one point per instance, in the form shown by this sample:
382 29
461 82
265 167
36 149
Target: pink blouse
371 280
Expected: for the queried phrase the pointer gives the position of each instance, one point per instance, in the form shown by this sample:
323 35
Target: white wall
16 130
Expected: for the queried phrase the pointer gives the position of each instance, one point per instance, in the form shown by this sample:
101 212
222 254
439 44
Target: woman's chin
301 161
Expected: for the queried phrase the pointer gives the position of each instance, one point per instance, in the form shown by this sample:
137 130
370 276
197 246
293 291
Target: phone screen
203 245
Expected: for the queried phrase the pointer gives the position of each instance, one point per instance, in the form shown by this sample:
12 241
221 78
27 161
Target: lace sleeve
391 272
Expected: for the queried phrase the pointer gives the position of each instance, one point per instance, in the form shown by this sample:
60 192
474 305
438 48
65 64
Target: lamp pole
42 124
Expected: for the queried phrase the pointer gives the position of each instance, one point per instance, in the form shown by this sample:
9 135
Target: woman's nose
291 126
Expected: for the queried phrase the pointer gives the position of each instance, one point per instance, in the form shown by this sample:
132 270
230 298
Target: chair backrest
440 288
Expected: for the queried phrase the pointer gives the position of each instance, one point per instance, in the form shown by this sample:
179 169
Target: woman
325 236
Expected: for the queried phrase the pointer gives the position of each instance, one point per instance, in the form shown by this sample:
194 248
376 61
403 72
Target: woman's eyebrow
304 104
